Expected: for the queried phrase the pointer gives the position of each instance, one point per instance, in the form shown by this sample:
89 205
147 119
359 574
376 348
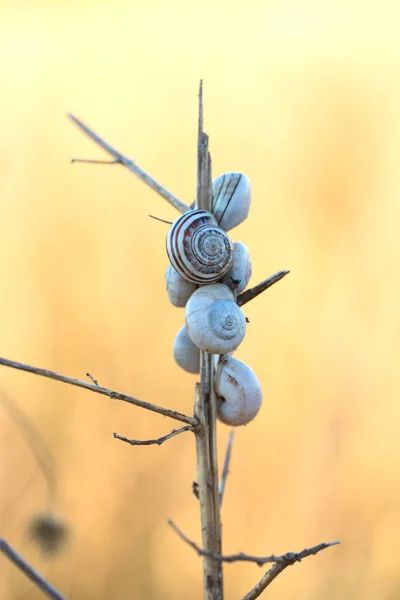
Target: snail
214 321
186 354
179 289
239 394
240 270
198 249
231 199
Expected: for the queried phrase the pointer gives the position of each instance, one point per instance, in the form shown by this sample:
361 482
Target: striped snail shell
231 199
186 354
179 289
240 270
214 321
198 249
238 390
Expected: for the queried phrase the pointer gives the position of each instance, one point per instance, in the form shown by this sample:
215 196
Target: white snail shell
198 249
186 354
214 321
239 394
240 269
179 289
231 199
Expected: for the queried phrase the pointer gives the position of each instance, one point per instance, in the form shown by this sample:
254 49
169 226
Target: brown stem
157 441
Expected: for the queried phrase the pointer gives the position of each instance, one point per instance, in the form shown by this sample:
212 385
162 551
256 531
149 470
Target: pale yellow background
302 96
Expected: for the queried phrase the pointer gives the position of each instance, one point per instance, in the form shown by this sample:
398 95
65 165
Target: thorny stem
33 575
99 390
260 287
130 165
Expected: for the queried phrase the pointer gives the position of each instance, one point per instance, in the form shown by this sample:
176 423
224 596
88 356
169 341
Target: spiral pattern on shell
215 323
198 249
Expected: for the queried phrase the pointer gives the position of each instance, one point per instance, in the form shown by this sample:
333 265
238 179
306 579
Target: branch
285 559
157 441
130 165
260 287
100 390
29 572
225 470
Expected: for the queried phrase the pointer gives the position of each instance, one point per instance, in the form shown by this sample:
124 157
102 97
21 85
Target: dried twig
93 379
225 470
33 575
260 287
157 441
100 390
285 559
161 220
129 164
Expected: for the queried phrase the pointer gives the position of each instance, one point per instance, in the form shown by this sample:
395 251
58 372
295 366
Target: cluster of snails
206 273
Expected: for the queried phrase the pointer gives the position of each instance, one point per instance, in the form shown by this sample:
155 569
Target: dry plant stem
33 575
130 165
225 470
99 390
157 441
265 581
161 220
260 287
284 559
205 408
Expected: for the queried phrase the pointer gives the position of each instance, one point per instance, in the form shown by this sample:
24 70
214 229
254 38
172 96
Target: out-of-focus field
302 96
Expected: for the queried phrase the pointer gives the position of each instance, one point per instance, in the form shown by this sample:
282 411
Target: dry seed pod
186 354
198 249
240 269
214 321
239 394
231 199
179 289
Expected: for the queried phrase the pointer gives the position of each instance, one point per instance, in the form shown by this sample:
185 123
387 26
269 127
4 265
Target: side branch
285 559
260 287
33 575
157 441
99 390
130 165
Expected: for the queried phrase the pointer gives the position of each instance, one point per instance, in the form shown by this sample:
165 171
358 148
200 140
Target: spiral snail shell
179 289
214 321
186 354
239 394
199 250
231 199
240 270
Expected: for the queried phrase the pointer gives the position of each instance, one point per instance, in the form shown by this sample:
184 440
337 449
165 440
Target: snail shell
186 354
198 249
240 269
179 289
231 199
239 394
214 321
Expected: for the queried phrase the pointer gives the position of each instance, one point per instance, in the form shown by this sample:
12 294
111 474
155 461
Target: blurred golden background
303 97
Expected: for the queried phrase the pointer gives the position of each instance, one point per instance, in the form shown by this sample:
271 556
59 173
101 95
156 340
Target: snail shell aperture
231 199
214 321
198 249
239 394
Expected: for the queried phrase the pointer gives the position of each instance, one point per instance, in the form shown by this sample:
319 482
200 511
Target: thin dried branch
265 581
130 165
260 287
93 379
161 220
286 559
157 441
225 470
33 575
99 390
